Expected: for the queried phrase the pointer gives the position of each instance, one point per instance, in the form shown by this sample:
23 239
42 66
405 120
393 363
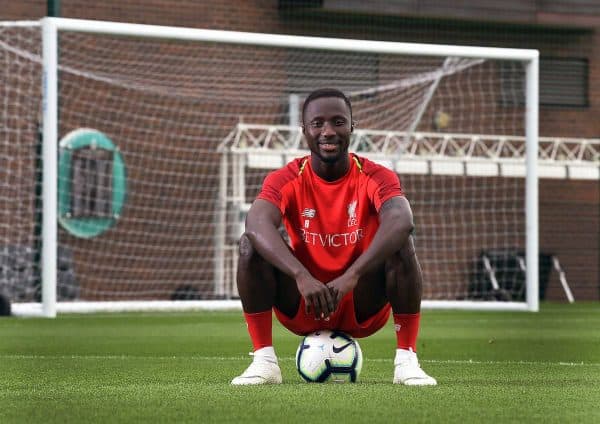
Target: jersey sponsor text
331 240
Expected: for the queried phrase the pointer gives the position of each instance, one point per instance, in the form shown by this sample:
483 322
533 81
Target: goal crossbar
276 40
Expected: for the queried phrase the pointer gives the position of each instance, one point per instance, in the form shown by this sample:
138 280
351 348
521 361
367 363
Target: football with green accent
329 356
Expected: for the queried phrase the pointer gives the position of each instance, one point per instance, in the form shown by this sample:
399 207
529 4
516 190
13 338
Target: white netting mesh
168 105
20 93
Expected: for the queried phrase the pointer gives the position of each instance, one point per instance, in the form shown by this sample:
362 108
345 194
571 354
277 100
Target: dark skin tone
388 271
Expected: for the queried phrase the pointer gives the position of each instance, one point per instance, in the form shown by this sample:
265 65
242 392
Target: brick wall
264 16
570 228
566 207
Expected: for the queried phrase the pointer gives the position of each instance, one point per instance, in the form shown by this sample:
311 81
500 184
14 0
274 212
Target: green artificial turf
176 367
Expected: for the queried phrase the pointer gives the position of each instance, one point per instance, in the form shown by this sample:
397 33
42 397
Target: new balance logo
309 213
339 349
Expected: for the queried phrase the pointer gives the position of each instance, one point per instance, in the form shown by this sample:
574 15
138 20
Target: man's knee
256 277
403 259
248 257
250 262
255 280
407 252
404 280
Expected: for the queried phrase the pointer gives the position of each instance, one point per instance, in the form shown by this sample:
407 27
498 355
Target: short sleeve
386 185
271 190
277 184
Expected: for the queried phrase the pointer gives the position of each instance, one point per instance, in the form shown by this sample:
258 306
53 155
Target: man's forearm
390 238
270 245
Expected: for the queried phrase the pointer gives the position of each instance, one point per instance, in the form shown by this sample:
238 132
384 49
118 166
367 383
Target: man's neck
330 171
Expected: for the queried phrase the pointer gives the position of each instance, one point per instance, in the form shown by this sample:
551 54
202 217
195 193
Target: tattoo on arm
245 246
389 204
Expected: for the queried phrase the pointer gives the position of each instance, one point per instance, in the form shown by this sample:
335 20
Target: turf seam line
240 358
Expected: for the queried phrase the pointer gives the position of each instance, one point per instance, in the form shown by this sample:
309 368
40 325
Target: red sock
407 329
260 328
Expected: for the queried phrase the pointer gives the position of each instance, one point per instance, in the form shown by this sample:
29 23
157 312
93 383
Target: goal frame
50 29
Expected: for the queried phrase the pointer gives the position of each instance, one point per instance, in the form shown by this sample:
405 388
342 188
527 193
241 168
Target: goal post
50 165
531 187
169 107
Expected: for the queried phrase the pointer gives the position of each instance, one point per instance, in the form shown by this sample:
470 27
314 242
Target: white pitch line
289 358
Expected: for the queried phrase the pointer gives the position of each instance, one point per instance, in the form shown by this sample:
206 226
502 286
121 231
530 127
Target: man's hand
316 295
342 285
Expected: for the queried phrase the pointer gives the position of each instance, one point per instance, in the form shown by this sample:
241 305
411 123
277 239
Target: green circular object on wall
96 151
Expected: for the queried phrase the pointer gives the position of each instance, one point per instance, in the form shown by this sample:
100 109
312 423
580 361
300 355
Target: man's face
327 128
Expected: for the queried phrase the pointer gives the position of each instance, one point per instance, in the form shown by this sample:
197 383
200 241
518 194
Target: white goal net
165 134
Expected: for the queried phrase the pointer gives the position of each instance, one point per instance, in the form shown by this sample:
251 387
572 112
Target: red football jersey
330 224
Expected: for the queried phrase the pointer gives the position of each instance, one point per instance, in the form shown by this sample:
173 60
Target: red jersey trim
386 181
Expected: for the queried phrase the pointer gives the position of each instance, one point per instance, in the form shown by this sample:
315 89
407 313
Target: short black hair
325 92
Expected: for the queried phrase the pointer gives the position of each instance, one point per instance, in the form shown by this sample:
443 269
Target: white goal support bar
35 309
51 27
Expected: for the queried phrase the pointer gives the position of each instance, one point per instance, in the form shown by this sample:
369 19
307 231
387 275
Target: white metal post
294 110
49 155
531 184
221 228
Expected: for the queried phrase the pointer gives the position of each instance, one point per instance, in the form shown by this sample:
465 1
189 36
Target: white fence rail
270 146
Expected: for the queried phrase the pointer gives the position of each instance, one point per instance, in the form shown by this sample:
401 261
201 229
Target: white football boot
264 369
407 370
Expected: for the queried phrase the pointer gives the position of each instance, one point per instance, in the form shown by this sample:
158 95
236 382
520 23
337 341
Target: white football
329 356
